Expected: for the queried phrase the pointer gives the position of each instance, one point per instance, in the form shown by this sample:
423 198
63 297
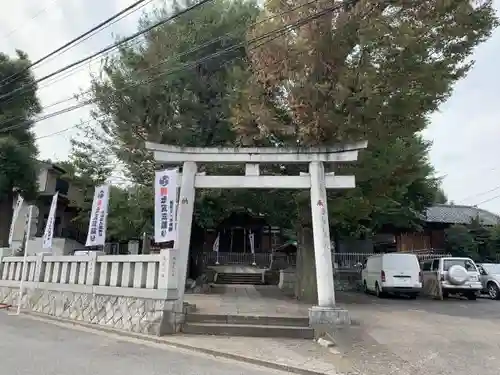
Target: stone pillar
93 270
133 247
169 277
326 311
39 268
185 220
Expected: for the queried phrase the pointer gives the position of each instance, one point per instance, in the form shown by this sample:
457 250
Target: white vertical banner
48 234
98 217
165 205
215 248
251 238
15 215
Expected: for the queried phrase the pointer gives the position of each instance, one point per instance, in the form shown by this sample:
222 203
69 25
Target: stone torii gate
316 180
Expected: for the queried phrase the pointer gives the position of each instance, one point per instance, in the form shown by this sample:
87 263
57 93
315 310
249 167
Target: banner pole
25 256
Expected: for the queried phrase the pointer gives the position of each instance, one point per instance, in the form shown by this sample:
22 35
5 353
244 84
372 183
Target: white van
396 273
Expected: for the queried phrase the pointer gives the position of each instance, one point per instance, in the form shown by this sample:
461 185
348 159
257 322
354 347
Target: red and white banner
165 205
98 217
48 234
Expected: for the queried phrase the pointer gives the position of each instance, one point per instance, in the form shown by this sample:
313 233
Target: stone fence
132 292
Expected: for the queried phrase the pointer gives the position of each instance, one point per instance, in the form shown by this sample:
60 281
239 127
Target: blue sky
465 132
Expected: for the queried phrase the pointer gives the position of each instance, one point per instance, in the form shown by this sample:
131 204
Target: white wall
60 246
42 179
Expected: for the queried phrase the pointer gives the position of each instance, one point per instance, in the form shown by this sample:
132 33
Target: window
492 268
482 271
435 265
62 186
466 263
426 266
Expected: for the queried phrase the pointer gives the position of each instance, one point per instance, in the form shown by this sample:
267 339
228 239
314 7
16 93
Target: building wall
51 176
42 179
47 181
348 245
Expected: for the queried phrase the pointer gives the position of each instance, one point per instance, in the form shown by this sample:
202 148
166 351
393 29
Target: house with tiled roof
438 218
454 214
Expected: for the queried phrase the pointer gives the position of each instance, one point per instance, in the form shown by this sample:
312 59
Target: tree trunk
306 288
5 218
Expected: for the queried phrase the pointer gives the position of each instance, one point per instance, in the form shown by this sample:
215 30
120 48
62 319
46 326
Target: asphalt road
423 337
482 308
33 347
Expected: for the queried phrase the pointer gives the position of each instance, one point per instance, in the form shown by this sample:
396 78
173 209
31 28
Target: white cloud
465 132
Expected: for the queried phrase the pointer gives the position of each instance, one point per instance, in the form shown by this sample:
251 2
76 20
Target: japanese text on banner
48 234
97 225
165 205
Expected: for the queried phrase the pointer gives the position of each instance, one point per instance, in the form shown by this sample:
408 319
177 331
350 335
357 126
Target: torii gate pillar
326 312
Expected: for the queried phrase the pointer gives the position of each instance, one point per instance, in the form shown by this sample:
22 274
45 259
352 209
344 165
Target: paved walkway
247 300
237 269
263 301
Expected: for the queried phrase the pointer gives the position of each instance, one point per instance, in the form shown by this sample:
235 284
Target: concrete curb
163 340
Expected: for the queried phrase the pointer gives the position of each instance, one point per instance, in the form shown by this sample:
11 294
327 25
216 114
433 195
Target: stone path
237 269
262 301
247 300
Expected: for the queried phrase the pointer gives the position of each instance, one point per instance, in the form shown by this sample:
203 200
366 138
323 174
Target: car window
426 266
466 263
435 265
492 268
481 270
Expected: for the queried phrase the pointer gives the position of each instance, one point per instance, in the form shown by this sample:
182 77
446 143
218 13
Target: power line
279 32
36 15
190 65
110 47
74 69
488 200
480 194
72 42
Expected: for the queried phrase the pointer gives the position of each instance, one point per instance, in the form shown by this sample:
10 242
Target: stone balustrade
139 275
132 292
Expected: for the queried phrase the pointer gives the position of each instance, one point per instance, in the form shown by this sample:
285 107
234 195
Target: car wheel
378 292
445 294
471 296
493 291
412 296
365 287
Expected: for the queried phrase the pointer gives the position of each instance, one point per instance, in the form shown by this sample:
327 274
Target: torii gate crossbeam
316 180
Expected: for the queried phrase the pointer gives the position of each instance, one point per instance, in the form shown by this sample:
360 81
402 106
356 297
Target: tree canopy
346 71
18 151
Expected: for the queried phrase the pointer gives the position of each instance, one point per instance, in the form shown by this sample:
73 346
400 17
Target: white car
396 273
455 275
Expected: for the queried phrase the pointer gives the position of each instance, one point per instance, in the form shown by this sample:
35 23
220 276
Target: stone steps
249 326
289 321
239 278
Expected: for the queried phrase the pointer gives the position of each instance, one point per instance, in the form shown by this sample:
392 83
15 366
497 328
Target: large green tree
18 151
166 90
370 70
155 92
130 206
